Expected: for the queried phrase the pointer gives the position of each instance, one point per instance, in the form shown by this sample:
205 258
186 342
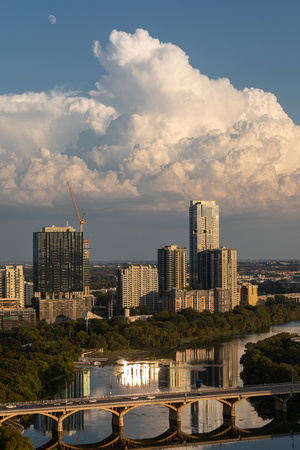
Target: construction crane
81 220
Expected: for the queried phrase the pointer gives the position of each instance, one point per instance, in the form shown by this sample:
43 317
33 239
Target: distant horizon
147 261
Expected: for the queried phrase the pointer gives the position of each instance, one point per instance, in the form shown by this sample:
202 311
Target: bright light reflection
137 374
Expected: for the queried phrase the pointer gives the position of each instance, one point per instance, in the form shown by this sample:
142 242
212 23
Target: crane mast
81 220
86 248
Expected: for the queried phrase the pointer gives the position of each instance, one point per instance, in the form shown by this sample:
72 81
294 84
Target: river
216 366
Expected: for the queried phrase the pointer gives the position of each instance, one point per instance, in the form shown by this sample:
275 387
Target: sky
143 106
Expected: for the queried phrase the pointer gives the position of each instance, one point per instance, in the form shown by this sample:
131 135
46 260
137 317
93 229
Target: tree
11 439
275 358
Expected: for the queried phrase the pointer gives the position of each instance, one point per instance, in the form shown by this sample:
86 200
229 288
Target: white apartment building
12 284
137 285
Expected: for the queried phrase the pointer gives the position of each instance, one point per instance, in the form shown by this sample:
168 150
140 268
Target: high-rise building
28 293
171 265
58 262
12 284
203 233
86 266
137 285
218 269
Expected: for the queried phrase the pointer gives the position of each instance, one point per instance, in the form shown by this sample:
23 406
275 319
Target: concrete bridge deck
119 405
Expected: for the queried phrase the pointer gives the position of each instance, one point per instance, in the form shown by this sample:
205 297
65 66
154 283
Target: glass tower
218 269
57 261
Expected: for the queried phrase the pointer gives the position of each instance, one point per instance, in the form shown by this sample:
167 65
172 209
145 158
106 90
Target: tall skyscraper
58 262
171 265
203 233
12 284
218 269
86 266
137 285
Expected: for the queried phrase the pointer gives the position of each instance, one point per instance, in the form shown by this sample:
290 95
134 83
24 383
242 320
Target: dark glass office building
57 261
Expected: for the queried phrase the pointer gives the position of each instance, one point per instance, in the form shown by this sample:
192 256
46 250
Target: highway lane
150 398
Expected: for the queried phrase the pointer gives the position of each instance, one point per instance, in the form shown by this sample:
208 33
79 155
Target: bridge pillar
175 417
280 402
229 408
118 419
57 427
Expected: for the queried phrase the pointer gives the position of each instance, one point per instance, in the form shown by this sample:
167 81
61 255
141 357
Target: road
12 409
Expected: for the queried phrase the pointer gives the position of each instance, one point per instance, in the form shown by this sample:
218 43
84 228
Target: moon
52 19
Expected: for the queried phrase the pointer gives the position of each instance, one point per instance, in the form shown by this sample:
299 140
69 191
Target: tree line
31 357
274 358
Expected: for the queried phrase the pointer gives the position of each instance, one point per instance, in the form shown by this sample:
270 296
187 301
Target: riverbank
217 366
146 354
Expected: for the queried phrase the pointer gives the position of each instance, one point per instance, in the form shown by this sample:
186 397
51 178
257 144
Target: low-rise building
199 300
70 308
247 294
12 318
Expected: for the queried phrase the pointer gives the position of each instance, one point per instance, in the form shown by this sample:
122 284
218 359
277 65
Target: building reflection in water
79 388
216 367
138 374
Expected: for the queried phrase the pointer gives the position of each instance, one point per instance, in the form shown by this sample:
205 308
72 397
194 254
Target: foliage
31 357
276 287
11 439
139 310
276 358
103 277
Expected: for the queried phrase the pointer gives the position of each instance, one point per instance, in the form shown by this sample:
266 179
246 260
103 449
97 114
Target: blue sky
253 43
158 129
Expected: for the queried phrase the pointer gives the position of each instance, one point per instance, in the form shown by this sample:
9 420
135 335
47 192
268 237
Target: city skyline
142 112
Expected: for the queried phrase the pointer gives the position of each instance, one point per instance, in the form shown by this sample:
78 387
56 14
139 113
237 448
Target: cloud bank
154 134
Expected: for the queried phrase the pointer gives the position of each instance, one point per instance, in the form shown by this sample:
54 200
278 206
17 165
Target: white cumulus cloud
164 133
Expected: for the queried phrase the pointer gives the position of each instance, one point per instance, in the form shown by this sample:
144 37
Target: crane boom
81 220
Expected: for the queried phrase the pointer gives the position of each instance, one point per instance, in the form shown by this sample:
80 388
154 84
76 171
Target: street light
66 392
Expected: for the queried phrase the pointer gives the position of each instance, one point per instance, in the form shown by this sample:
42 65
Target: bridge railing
202 390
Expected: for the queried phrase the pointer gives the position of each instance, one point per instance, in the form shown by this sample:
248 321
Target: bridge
226 433
119 405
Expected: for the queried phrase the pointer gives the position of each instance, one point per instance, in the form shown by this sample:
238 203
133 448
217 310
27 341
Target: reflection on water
138 374
216 366
79 388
